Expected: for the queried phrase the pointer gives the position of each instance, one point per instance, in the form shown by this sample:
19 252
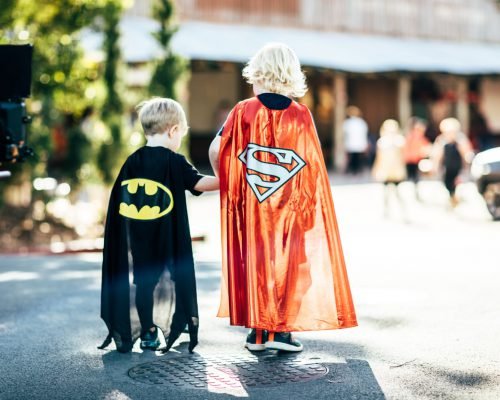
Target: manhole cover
227 372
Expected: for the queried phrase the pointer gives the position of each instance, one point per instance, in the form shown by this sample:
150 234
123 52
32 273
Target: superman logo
269 168
145 199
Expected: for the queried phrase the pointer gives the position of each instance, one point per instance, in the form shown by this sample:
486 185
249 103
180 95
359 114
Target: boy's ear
173 129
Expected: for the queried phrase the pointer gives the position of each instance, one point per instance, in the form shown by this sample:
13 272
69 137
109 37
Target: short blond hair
276 68
159 114
389 127
353 111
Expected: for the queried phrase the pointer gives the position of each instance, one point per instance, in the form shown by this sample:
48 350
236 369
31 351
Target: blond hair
353 111
159 114
276 68
450 124
389 127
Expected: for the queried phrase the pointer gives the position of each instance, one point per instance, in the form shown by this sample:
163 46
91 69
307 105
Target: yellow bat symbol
146 212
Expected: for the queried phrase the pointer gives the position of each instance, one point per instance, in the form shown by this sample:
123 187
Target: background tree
112 111
171 67
61 80
65 85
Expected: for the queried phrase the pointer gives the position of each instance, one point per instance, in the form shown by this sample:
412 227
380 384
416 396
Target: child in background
147 236
389 167
283 265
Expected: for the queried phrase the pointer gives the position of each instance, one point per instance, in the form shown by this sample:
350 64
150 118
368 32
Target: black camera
15 84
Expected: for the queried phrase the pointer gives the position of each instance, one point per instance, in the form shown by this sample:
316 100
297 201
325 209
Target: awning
332 50
137 43
338 51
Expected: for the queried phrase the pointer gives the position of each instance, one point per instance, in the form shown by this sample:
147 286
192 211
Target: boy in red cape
283 265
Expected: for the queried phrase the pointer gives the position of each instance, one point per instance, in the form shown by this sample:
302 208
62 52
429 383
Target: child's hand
207 183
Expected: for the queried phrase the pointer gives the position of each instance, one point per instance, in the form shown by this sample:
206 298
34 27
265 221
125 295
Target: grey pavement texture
424 280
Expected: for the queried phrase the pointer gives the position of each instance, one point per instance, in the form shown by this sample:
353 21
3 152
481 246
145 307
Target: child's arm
213 154
207 183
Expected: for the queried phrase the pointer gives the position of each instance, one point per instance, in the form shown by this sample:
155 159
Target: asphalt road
425 285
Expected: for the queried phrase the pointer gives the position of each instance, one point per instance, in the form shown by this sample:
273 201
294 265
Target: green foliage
110 152
6 12
112 15
78 152
64 83
163 10
166 75
60 78
171 68
108 157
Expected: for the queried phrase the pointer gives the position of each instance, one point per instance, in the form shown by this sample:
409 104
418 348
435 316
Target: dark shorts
392 183
412 172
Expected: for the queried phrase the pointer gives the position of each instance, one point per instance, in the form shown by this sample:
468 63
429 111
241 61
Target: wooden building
392 58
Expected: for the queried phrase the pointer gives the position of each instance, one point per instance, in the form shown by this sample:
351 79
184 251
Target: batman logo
267 177
145 199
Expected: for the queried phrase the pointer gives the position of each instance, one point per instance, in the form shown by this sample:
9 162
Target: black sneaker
123 345
149 340
285 342
251 343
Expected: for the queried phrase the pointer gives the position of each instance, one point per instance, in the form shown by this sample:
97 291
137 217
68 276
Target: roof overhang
332 50
339 51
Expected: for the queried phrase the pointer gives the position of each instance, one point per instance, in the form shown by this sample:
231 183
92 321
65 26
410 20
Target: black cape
147 239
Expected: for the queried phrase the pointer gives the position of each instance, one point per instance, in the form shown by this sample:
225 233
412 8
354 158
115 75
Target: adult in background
355 139
452 149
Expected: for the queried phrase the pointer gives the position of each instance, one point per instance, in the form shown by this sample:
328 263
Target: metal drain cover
223 372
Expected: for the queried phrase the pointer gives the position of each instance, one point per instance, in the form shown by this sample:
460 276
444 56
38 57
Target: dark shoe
149 340
254 342
123 344
125 347
283 341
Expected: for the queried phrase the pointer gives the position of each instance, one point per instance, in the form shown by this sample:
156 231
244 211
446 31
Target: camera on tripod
15 83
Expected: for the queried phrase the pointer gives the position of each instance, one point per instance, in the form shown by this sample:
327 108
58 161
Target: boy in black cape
148 268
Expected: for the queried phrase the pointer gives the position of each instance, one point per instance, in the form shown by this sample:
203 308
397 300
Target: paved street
424 281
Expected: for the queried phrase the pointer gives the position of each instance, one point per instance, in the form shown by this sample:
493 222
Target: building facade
391 58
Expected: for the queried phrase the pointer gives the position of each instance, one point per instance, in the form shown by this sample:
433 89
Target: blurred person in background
452 150
389 167
355 139
417 147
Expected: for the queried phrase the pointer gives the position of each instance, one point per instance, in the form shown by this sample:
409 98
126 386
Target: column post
404 100
340 95
463 104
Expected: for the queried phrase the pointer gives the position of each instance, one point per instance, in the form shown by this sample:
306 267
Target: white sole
255 347
283 346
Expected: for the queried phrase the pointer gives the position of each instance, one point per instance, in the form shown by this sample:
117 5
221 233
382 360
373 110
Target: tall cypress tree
171 67
112 14
108 157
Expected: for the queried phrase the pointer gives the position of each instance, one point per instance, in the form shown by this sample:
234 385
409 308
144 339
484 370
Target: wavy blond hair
276 68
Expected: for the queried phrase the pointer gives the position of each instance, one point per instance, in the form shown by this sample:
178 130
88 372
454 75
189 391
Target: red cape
283 265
